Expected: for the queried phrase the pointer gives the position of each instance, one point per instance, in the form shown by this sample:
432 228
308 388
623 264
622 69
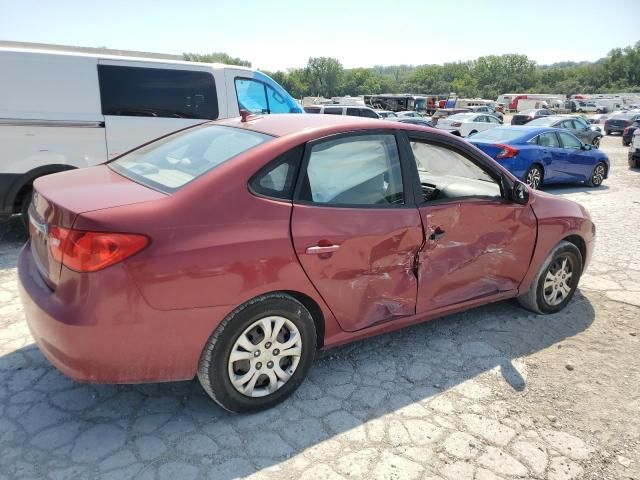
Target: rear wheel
24 209
534 176
596 142
556 282
259 355
597 175
625 144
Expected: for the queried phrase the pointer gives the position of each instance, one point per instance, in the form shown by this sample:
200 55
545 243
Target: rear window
170 163
498 135
461 116
543 121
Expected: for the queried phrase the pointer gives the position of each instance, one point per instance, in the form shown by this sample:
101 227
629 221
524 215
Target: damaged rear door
354 229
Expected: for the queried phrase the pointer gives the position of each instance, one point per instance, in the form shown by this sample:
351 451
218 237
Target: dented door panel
484 247
370 277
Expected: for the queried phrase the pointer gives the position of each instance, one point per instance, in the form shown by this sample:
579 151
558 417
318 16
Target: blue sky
279 34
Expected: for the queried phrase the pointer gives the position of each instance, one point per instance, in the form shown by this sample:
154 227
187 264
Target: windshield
420 104
172 162
498 135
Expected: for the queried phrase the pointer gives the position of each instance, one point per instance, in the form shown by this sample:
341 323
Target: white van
63 110
351 110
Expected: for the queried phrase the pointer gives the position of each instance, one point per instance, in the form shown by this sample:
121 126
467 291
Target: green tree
215 57
324 75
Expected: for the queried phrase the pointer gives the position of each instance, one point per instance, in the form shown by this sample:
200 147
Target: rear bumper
98 328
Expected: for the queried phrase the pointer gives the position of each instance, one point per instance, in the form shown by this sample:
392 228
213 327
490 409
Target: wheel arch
315 311
579 242
25 183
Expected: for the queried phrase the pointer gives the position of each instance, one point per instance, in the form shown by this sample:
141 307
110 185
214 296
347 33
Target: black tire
596 142
534 172
597 175
625 144
24 209
213 372
535 299
472 132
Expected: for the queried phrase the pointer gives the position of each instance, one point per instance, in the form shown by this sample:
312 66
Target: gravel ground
495 392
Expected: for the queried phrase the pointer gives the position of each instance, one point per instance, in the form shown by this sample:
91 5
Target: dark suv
575 124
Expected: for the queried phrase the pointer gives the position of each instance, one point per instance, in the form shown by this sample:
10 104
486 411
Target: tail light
626 131
456 124
506 151
91 251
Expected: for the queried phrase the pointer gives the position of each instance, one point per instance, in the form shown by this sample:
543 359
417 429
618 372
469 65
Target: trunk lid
59 198
490 149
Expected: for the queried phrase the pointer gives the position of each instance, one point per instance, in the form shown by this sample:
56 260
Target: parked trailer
397 102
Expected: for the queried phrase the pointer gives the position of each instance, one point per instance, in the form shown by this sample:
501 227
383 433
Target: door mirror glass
520 193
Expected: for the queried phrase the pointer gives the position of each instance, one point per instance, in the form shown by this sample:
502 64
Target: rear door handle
317 249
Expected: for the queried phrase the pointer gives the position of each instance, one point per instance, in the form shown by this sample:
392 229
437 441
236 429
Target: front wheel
596 142
259 355
556 281
534 177
597 175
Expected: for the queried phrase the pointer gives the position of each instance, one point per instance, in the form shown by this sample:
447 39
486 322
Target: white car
589 107
465 124
409 114
62 110
634 150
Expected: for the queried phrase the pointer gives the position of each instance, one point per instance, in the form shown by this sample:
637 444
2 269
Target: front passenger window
446 174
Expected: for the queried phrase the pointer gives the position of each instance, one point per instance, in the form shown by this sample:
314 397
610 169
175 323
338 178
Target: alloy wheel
596 142
265 356
534 178
598 174
557 283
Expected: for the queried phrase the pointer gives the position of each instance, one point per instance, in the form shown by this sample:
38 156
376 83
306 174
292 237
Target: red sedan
235 249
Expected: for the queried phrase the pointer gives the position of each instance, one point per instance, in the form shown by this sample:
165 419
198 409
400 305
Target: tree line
485 77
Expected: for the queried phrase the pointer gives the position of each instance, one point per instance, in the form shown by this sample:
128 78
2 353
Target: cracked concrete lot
495 392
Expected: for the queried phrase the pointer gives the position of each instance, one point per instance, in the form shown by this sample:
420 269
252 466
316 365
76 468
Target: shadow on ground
49 423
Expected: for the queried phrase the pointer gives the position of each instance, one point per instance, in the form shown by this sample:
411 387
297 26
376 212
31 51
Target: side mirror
520 193
586 146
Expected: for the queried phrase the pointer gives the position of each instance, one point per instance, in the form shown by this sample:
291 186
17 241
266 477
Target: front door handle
436 233
317 249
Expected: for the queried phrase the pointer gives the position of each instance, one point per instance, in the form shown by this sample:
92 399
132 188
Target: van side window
258 97
333 110
157 92
365 112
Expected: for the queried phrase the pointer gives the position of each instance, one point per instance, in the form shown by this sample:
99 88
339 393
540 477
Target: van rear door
142 101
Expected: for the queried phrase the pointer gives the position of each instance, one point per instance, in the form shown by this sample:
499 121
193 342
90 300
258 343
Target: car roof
285 124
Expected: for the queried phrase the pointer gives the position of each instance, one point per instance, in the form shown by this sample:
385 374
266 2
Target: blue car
542 155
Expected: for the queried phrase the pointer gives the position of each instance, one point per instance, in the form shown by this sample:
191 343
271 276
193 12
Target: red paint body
215 245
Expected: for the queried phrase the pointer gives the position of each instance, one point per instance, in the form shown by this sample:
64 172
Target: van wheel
556 282
24 209
259 355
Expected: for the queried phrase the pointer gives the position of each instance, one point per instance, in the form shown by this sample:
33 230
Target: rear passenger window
355 112
333 111
157 92
278 178
548 140
354 170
